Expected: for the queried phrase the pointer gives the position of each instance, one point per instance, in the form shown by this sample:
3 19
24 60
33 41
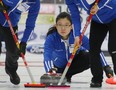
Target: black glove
1 8
23 47
108 70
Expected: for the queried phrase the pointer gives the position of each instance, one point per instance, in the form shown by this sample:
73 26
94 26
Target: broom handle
17 43
76 48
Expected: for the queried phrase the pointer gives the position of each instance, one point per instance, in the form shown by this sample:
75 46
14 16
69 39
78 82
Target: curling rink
79 82
35 61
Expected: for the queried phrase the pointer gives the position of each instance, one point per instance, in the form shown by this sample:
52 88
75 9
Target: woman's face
64 27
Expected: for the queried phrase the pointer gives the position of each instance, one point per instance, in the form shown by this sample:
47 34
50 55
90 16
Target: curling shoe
68 79
14 78
95 85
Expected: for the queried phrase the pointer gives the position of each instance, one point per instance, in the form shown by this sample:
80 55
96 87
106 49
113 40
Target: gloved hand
108 71
53 70
23 47
1 8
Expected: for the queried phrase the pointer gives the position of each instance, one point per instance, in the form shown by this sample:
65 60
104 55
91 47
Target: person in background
14 9
103 21
59 45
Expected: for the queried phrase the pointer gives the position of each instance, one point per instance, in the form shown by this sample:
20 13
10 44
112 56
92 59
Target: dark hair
60 16
64 15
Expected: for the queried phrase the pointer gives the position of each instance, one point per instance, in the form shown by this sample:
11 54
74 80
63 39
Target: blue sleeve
102 3
75 15
31 20
11 3
85 42
48 49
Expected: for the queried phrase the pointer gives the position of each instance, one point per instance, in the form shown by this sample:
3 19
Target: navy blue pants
11 49
79 64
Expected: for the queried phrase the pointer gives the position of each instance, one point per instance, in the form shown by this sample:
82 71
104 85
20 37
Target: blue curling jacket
15 8
58 51
105 14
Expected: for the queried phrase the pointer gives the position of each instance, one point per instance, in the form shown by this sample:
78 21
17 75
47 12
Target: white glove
90 1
